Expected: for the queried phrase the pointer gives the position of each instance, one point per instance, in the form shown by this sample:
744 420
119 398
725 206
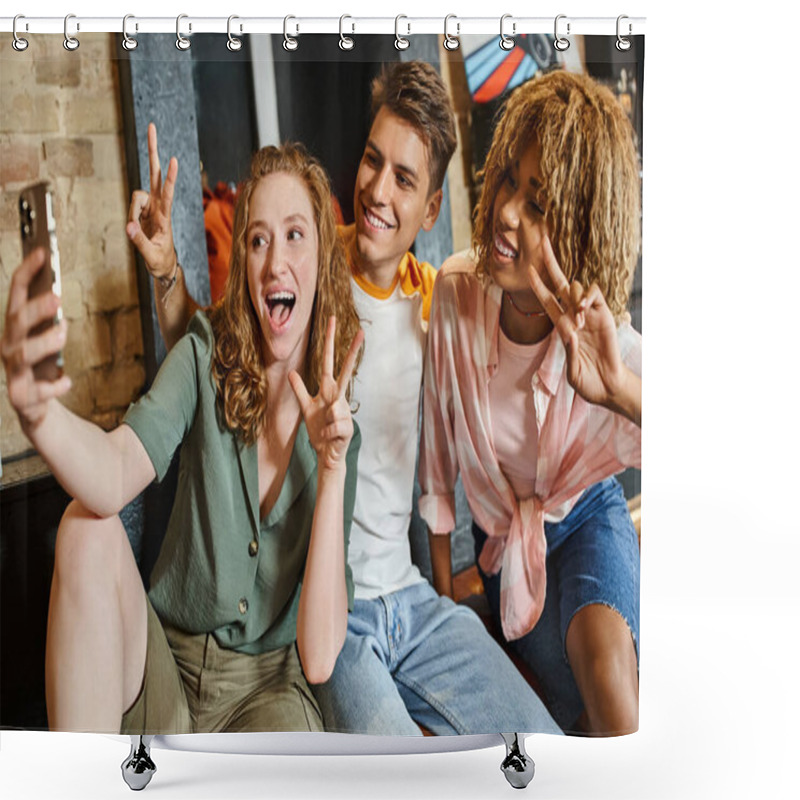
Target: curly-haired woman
248 599
533 393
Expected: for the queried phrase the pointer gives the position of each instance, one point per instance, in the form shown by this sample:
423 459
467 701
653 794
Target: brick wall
60 120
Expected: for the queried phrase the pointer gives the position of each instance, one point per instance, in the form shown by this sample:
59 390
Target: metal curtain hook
289 42
70 42
400 42
128 42
346 42
559 42
506 42
451 42
233 44
181 42
19 44
623 43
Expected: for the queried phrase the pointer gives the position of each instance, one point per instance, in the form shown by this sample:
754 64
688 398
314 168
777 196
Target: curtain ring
289 42
400 42
181 42
345 42
70 42
559 42
128 42
19 44
233 44
506 42
623 43
451 42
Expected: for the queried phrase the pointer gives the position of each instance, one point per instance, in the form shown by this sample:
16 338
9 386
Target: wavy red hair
239 369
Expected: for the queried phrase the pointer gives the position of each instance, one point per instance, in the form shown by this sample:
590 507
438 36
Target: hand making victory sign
327 414
150 216
587 328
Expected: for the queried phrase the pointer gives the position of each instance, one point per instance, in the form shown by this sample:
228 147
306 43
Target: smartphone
37 225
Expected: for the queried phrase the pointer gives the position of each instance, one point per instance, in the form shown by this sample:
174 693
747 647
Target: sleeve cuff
151 438
438 511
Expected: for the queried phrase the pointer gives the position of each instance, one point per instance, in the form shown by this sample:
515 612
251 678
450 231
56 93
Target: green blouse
221 570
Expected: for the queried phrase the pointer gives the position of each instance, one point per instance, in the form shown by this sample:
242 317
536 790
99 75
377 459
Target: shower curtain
424 653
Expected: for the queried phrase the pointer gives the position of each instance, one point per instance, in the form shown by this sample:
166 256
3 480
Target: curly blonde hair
239 367
590 171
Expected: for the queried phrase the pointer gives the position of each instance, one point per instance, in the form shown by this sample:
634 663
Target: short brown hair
414 91
238 366
590 169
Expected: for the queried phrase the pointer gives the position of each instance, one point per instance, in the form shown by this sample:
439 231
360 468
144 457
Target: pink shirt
513 417
579 443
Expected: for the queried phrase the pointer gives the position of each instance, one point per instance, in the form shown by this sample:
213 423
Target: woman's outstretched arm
438 464
322 611
102 470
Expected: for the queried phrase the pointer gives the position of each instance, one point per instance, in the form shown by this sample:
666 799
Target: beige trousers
192 685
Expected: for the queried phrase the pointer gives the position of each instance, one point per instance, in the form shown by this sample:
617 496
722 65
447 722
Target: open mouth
374 221
280 305
503 248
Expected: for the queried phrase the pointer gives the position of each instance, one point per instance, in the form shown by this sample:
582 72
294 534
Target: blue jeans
414 656
592 557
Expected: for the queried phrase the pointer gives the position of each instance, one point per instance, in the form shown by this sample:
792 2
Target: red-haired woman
248 599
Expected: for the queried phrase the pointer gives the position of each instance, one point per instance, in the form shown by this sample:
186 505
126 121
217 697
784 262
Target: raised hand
327 415
587 328
21 352
150 216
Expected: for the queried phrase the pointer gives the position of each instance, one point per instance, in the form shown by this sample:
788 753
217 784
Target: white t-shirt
387 392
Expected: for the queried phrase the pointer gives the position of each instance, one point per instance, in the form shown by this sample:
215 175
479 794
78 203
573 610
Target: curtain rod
296 25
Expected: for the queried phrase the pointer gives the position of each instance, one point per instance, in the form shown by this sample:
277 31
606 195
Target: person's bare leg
603 659
96 627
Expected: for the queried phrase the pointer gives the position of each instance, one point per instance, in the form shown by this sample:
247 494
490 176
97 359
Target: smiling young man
411 657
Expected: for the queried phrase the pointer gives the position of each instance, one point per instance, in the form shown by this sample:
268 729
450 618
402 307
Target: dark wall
226 124
323 101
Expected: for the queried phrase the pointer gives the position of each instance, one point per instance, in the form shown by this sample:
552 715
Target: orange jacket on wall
218 209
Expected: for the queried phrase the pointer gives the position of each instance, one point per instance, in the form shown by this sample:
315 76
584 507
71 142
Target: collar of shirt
302 466
413 277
